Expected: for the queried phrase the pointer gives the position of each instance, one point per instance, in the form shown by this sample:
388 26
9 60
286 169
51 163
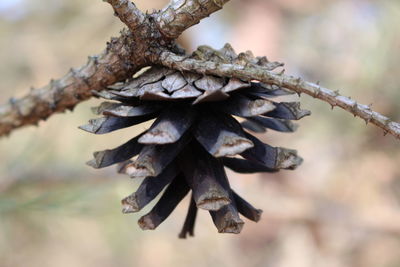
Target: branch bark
114 64
182 14
123 56
128 13
133 50
296 84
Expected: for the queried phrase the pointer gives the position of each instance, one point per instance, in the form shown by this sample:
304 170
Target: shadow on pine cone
194 137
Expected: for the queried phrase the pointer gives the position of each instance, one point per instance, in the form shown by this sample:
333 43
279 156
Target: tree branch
128 13
181 14
252 72
123 56
114 64
131 51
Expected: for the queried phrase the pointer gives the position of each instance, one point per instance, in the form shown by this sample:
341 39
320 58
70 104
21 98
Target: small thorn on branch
253 72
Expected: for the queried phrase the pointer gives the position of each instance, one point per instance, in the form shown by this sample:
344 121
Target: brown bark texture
250 72
149 40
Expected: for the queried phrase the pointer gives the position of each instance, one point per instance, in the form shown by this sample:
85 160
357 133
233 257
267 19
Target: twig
252 72
123 56
180 15
128 13
114 64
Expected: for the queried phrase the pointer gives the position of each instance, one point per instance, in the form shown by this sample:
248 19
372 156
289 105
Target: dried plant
194 137
193 98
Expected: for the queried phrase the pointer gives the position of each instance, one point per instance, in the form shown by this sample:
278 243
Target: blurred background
340 208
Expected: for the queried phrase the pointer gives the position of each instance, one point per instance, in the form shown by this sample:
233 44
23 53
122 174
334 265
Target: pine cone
194 137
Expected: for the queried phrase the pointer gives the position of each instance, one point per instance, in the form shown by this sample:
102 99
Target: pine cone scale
194 137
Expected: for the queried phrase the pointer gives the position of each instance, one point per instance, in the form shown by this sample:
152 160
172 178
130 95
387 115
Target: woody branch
296 84
123 56
133 50
128 13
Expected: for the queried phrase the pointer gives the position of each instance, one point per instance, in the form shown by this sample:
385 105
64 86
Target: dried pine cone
194 137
